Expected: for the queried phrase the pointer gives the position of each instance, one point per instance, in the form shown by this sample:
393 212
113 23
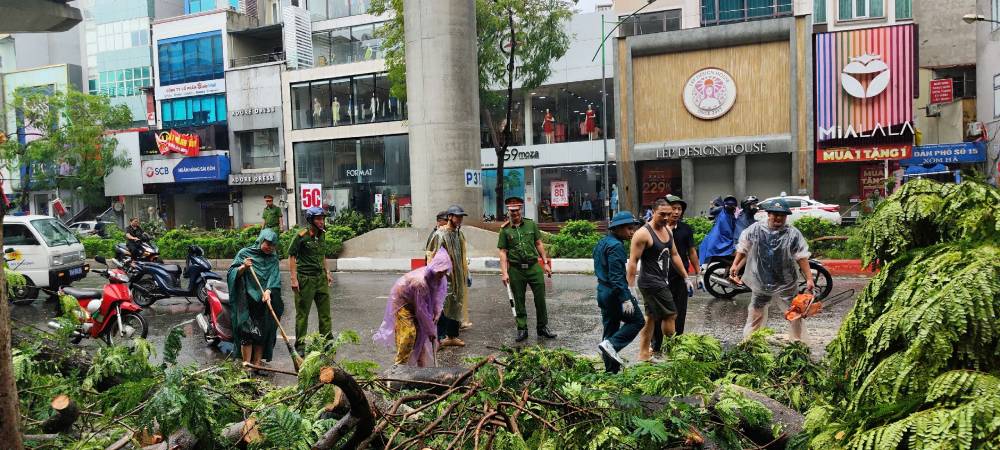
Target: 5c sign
311 195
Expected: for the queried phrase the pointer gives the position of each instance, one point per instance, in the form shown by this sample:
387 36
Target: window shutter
844 10
297 32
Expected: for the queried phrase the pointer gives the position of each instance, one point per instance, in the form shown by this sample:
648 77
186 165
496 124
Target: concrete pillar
687 181
442 84
740 176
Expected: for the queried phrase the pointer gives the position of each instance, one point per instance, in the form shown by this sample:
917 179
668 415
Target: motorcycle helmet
751 200
313 213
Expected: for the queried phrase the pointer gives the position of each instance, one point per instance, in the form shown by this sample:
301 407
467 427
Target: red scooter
215 321
108 314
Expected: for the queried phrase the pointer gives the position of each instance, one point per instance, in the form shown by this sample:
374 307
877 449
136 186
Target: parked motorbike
107 314
719 285
215 321
150 252
154 281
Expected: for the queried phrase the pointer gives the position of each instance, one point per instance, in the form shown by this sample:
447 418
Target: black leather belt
524 265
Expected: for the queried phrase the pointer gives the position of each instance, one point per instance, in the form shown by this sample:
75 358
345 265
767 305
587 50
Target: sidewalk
837 267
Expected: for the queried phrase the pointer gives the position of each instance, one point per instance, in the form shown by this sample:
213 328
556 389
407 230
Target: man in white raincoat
774 253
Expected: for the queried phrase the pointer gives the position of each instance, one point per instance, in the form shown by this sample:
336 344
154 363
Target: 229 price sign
311 195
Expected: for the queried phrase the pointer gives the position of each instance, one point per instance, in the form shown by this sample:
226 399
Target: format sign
872 153
311 195
244 179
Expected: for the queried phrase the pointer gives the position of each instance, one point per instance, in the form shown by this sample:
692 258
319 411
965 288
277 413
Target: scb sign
311 195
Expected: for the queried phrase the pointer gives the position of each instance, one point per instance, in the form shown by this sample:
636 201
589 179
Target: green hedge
218 243
576 239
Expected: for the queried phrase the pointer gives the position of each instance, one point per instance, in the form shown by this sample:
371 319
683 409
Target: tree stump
64 415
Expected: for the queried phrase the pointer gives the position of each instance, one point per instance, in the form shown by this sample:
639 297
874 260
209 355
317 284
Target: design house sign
697 151
709 93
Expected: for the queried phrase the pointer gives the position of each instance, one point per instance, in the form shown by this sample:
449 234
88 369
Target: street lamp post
604 108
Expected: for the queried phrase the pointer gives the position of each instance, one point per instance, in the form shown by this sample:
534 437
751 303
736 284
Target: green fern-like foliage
120 361
172 346
283 428
14 280
914 357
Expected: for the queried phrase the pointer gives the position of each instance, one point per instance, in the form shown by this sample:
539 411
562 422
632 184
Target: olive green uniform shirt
520 241
272 217
309 252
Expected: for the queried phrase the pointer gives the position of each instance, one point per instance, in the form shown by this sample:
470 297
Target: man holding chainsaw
309 276
618 304
773 253
520 246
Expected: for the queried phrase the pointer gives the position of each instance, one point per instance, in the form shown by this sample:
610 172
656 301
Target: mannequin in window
549 127
317 112
335 110
591 123
614 199
374 107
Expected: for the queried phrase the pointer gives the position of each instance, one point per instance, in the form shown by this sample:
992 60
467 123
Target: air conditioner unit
933 110
975 129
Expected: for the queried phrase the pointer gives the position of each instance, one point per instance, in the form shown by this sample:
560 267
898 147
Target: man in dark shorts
679 287
654 245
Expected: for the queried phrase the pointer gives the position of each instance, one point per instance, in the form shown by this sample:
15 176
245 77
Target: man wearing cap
520 245
442 220
451 238
616 301
773 253
272 215
679 287
309 276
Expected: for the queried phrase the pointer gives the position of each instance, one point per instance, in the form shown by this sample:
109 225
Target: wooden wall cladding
763 100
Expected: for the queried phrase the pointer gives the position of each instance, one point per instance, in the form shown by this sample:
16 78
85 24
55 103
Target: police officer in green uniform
520 246
310 279
272 215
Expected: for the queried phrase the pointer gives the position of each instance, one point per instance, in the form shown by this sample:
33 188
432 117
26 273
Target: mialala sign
837 132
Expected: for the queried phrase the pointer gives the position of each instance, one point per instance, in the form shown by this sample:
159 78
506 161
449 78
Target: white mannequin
335 109
317 111
374 107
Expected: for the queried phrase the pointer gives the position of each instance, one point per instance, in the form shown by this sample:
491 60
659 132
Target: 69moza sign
311 195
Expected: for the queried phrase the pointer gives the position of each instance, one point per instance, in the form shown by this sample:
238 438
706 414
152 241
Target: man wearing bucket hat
451 238
773 253
619 308
520 245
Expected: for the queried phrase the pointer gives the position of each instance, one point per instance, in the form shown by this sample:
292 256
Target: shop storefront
865 85
370 175
559 182
256 134
714 111
187 171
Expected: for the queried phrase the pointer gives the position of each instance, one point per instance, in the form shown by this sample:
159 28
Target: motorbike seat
83 294
172 268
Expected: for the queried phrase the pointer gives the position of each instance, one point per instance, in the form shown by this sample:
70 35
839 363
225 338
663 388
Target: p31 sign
311 195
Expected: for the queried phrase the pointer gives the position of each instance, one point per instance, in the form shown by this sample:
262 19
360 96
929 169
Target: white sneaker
608 350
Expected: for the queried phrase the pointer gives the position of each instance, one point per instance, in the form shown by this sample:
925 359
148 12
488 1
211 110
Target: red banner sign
560 193
941 91
175 142
858 154
872 180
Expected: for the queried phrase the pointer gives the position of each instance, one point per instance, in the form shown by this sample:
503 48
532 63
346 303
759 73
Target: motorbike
215 321
154 281
109 313
719 285
150 252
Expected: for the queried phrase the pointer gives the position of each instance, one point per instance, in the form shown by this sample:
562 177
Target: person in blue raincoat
748 209
721 240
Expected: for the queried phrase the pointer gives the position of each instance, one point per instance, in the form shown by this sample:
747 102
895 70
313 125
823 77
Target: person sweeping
254 330
415 304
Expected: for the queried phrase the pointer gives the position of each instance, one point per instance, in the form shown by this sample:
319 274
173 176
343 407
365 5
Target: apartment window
124 82
259 148
654 22
197 6
333 9
963 80
996 95
188 111
191 58
904 9
119 35
860 9
347 45
715 12
819 11
344 101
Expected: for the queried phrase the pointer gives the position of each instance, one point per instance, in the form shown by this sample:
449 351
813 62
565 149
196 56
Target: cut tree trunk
10 418
427 379
360 419
64 416
245 432
181 439
790 420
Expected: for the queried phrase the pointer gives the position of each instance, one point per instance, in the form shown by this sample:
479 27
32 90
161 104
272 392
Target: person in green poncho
254 330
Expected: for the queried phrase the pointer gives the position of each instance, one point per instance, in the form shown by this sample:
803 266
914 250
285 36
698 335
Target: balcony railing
257 59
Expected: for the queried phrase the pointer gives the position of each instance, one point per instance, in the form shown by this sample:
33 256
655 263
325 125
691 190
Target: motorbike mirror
9 250
100 259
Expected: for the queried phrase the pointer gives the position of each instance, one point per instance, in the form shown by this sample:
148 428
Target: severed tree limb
121 443
361 409
66 413
181 439
339 430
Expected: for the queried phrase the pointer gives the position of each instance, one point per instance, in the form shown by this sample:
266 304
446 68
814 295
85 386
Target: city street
359 302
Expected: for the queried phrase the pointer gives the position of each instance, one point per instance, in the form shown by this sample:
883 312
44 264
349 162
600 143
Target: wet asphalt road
359 302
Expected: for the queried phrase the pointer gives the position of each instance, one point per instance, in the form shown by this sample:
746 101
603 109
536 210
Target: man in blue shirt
618 304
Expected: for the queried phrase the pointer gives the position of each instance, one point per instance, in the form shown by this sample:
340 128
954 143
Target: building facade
345 138
717 110
988 81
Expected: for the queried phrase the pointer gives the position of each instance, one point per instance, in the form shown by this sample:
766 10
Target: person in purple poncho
414 306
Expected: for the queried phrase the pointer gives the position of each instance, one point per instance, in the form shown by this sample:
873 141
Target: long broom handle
296 359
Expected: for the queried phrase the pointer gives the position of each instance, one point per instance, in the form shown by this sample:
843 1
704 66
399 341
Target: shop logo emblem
867 67
709 93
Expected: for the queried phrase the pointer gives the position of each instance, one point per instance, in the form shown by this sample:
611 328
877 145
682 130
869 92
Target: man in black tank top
654 245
